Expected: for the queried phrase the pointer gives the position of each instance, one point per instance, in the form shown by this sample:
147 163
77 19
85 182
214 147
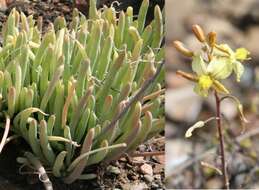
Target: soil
128 174
50 11
122 174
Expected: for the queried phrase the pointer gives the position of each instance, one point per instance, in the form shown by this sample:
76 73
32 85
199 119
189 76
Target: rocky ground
236 23
136 172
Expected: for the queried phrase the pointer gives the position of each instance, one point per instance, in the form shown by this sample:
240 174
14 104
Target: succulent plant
84 93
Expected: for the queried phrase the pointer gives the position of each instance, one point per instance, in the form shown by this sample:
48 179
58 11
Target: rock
214 183
146 169
247 78
171 129
254 186
113 170
123 159
157 177
177 182
3 5
240 180
148 178
158 168
158 185
129 166
254 11
142 148
175 15
140 186
238 11
177 152
173 80
239 163
182 104
155 186
160 159
174 60
251 41
138 159
228 107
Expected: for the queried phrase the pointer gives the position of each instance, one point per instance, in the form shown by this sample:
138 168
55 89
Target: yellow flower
203 85
212 64
205 82
242 54
224 52
208 74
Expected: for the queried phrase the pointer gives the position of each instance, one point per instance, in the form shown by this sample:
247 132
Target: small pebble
158 177
146 169
148 178
155 185
113 170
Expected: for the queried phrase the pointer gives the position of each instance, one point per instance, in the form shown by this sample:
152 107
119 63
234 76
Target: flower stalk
211 64
221 140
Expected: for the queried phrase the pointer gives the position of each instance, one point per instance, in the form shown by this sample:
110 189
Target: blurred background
236 23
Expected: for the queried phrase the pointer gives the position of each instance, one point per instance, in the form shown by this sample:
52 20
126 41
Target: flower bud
241 113
199 33
212 37
180 47
199 124
188 76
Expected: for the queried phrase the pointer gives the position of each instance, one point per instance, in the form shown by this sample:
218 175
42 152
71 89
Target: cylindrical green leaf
46 148
11 101
59 164
142 15
33 139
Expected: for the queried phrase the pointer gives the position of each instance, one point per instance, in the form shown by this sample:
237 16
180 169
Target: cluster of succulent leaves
61 90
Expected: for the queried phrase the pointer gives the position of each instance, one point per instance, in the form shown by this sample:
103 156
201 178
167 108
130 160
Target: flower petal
201 92
198 65
238 69
242 54
220 68
205 81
